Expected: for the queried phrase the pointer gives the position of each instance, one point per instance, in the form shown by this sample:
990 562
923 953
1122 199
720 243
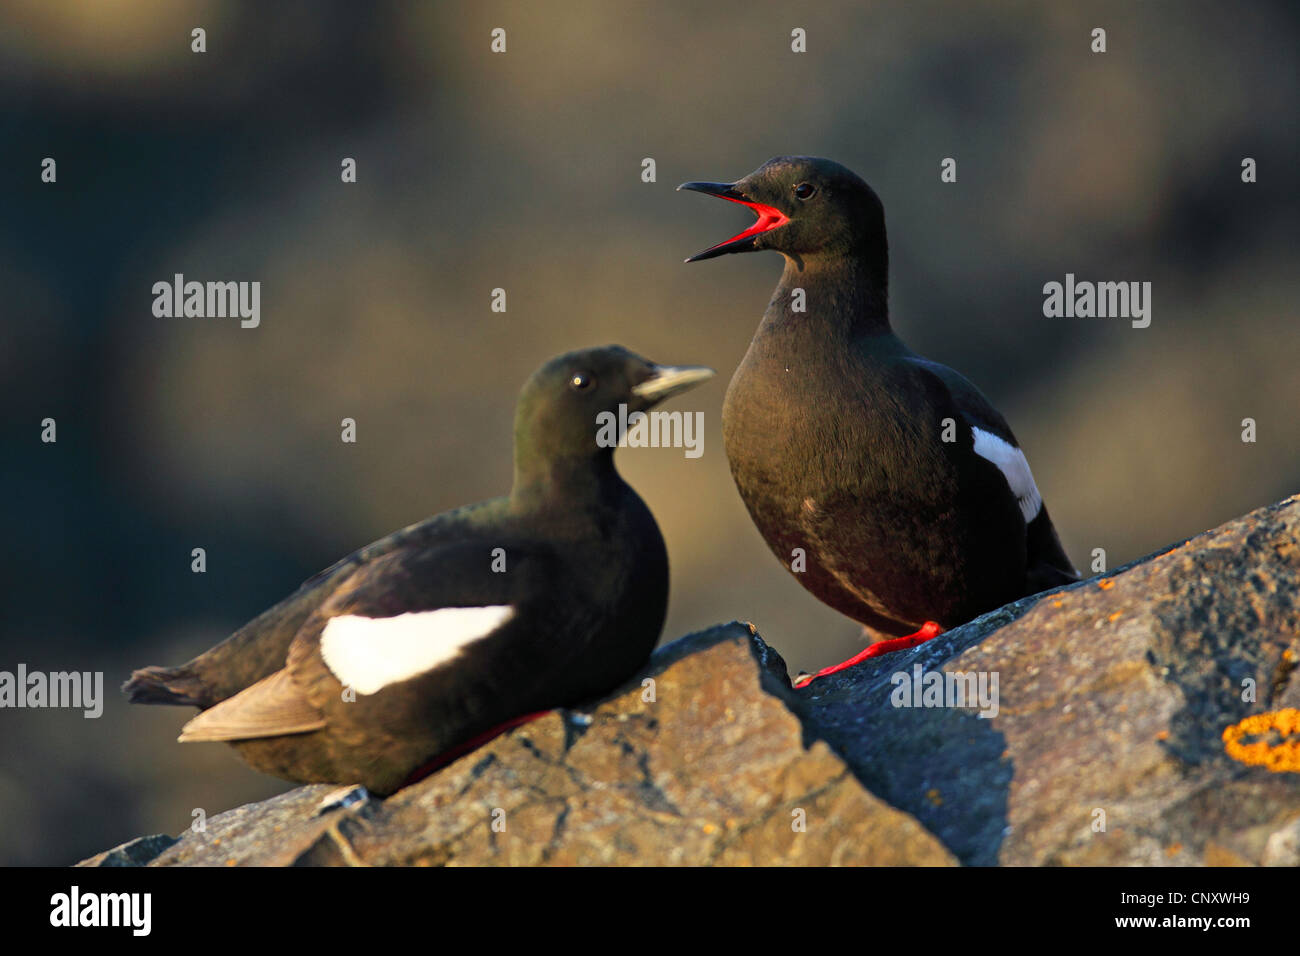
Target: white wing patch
1011 462
369 653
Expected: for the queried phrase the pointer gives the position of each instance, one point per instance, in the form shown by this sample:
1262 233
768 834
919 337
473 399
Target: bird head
806 206
563 405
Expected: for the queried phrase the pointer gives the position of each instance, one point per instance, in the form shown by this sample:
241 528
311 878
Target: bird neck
847 293
550 481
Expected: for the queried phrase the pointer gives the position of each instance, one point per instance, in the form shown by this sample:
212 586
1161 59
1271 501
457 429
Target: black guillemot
887 482
432 638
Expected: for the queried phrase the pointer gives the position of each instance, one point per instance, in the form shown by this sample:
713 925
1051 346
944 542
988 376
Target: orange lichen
1114 617
1277 757
1105 584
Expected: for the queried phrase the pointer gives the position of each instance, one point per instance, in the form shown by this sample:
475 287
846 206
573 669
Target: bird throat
841 295
544 482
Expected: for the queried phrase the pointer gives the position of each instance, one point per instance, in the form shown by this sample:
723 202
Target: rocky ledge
1146 717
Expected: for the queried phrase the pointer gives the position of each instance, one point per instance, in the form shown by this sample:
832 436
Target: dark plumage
835 429
437 644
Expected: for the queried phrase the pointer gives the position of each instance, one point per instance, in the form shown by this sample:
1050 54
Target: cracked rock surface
1106 747
712 770
1113 697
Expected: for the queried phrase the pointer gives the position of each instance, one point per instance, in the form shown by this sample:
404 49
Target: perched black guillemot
431 638
907 492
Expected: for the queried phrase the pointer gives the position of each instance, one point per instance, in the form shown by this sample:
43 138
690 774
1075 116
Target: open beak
769 218
668 380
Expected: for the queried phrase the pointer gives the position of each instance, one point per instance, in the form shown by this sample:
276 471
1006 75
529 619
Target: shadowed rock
1114 695
135 852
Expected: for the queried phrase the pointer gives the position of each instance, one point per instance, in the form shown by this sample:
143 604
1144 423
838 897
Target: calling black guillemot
429 640
835 430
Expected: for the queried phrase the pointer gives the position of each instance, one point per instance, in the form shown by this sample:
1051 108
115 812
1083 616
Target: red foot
927 631
440 761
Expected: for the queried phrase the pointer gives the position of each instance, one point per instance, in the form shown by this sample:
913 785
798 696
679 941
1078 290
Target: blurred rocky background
522 171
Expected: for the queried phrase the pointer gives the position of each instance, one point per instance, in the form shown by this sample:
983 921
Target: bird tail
166 685
1044 577
1048 564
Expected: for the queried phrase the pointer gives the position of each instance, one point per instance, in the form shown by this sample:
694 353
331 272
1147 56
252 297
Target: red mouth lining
769 218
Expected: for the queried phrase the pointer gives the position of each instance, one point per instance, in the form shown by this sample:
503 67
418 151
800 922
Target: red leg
927 631
440 761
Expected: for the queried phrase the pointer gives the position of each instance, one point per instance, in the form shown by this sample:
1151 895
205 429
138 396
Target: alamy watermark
128 910
923 688
208 300
655 429
76 689
1103 300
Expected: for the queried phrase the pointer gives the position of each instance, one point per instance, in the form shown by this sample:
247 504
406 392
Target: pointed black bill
721 190
769 218
745 244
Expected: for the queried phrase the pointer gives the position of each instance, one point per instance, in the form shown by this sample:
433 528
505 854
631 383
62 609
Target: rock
1283 846
702 766
1114 697
1106 744
135 852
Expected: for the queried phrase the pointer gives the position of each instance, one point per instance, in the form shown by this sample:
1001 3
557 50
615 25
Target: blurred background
522 171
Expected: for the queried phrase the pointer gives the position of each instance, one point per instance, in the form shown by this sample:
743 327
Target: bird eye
805 190
581 382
